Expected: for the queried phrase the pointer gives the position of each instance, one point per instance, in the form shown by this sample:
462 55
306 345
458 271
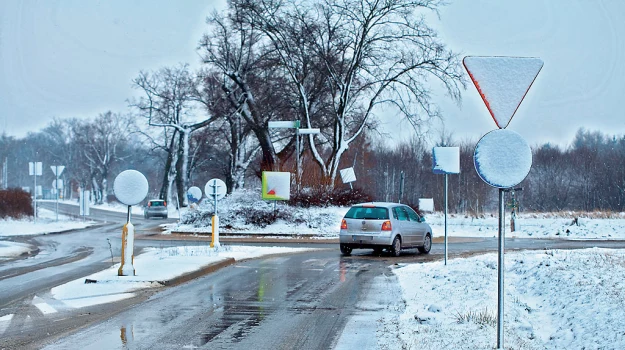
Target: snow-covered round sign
502 158
215 188
194 194
130 187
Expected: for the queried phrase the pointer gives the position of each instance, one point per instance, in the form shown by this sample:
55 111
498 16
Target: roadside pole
446 160
502 82
215 189
131 188
446 200
500 270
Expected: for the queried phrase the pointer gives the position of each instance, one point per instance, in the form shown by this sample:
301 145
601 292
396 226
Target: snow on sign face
215 188
446 160
502 82
130 187
276 185
194 194
348 175
502 158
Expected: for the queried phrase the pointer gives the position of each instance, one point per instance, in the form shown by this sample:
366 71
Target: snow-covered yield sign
502 82
502 157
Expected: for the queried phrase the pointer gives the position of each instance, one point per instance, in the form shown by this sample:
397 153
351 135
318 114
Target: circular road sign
194 194
215 188
502 158
130 187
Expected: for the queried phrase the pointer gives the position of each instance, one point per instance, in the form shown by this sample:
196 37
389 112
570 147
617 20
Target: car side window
400 214
412 214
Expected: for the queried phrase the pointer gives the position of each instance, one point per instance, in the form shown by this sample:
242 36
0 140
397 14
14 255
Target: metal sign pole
56 188
445 218
297 160
500 280
35 190
215 197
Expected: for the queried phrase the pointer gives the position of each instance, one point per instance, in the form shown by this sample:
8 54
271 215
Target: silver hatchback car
381 225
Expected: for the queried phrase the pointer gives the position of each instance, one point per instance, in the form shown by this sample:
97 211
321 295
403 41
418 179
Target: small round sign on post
215 189
194 194
130 188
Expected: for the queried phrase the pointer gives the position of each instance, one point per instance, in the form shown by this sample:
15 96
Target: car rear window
157 203
372 213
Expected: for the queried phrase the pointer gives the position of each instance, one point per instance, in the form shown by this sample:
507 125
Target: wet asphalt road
299 301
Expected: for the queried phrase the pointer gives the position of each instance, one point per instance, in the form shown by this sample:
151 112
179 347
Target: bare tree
101 141
371 53
234 51
170 101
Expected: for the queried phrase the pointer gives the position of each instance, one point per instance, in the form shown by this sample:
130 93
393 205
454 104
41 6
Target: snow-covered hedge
245 208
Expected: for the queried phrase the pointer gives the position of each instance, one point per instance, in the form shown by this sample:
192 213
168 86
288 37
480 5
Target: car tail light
149 204
386 226
164 204
343 225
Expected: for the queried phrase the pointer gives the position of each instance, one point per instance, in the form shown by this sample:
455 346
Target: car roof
156 200
379 204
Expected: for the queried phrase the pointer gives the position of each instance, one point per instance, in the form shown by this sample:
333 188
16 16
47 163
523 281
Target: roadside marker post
502 157
36 169
130 188
446 160
57 184
215 189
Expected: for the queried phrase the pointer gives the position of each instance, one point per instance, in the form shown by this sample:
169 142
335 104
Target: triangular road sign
502 82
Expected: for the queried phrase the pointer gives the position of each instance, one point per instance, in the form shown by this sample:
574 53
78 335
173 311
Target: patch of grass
483 318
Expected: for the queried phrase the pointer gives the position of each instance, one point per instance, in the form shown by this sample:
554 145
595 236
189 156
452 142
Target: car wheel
427 244
396 246
346 250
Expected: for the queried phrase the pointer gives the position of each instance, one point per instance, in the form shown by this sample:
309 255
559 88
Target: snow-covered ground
10 249
46 223
533 225
327 223
553 300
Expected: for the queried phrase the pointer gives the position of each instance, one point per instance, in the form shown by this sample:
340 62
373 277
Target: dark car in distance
155 208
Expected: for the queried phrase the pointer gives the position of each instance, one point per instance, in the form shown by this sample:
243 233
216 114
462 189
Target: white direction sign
502 82
57 169
348 175
35 168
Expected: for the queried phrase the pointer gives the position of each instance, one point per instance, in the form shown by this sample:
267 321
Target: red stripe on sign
477 86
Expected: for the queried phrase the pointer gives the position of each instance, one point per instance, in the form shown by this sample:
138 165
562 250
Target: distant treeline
589 175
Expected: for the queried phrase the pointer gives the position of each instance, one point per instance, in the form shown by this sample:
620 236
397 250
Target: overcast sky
76 58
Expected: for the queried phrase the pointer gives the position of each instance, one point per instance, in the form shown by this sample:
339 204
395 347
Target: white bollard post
128 241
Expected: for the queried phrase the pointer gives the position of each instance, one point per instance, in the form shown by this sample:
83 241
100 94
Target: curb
198 273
